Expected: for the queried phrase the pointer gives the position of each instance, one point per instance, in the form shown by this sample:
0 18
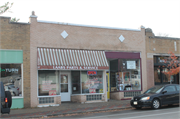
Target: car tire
156 104
9 97
138 107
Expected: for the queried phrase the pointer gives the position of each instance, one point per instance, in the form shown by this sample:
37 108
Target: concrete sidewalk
67 108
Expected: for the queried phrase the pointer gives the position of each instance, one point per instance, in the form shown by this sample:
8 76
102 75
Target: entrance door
65 86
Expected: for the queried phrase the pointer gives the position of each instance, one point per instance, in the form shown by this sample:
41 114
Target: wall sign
71 67
91 72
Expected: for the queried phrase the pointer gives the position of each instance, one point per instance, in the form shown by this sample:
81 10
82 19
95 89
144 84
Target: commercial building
71 62
15 60
44 63
157 48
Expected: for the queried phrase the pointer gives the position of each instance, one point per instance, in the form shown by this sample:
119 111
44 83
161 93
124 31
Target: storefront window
11 78
128 76
92 83
75 75
48 83
157 73
164 76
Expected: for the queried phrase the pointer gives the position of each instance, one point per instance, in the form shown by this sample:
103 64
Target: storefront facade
71 62
125 73
14 61
157 48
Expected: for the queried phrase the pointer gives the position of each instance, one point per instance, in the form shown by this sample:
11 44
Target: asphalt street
147 113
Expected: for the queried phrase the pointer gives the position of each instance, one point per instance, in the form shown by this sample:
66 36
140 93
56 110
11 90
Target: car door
177 94
169 97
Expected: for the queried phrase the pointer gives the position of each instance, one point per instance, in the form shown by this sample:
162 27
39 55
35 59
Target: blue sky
162 16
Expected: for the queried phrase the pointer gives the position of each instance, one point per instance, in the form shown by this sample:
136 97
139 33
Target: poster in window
131 65
126 77
92 90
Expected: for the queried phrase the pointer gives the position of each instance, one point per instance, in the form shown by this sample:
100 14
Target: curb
78 112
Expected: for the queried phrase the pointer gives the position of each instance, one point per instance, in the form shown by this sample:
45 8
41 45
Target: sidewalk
67 108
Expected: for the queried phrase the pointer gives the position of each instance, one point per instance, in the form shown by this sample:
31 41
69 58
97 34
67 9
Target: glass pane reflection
64 87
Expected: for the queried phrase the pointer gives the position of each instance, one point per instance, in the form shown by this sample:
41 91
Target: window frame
22 85
170 86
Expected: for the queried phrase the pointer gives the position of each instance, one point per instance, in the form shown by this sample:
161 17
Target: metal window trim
48 96
89 94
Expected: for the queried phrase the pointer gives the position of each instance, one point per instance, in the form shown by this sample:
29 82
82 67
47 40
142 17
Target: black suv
6 99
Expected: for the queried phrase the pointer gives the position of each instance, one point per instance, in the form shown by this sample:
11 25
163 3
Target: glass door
65 86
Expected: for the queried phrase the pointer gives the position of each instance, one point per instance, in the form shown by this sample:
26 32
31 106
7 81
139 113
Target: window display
11 78
92 83
127 77
48 83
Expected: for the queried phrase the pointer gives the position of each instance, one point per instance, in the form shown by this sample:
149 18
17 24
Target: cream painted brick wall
49 35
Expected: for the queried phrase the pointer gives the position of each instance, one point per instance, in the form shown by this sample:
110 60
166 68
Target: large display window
127 76
48 83
92 82
11 78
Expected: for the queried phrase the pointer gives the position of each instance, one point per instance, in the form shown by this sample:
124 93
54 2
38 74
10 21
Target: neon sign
91 72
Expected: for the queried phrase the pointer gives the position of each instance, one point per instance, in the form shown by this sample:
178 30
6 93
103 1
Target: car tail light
6 100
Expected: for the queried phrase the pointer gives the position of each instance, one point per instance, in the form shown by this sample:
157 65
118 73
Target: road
163 113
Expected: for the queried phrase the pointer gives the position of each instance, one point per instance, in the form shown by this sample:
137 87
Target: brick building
80 63
15 60
51 62
157 48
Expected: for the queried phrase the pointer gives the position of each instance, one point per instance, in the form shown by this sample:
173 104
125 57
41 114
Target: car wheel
9 97
138 107
156 104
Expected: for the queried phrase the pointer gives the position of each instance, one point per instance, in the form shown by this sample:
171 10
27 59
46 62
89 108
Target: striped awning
50 58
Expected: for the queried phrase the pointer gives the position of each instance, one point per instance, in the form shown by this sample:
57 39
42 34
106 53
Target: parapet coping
167 38
14 22
71 24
